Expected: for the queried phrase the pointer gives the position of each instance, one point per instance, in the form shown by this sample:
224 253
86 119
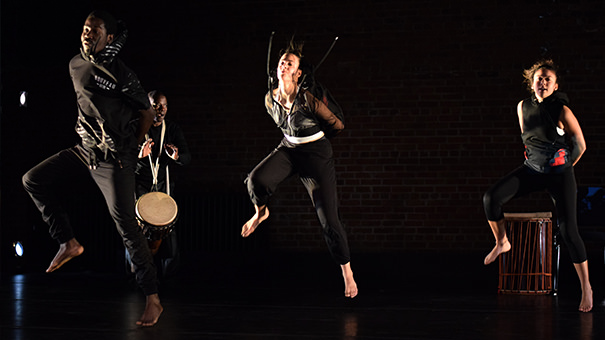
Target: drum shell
156 214
528 267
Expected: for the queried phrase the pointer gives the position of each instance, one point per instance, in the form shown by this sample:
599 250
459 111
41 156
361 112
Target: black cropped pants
563 192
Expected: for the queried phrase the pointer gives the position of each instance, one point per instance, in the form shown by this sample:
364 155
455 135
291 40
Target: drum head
156 208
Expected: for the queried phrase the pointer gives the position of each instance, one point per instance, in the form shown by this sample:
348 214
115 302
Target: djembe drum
156 213
527 267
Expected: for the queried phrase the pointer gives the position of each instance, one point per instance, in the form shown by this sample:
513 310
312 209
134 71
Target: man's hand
146 148
172 151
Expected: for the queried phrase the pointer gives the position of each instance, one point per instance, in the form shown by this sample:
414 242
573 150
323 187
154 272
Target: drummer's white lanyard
155 167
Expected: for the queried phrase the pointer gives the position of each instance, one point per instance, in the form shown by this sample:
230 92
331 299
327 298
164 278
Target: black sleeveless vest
546 149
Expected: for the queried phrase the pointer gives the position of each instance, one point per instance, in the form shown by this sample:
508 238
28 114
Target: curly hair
529 73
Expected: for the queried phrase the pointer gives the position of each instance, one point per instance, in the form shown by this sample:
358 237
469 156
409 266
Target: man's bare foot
152 312
262 213
501 247
67 251
350 285
586 303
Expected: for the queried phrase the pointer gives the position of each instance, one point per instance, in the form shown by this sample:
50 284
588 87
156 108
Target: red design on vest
560 158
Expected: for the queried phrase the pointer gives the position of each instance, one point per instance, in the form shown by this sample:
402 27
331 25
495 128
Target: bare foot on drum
501 247
262 213
152 312
350 285
67 251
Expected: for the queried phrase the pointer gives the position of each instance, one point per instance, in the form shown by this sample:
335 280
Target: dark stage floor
297 296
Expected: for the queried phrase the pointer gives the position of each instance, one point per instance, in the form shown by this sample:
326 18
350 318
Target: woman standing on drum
553 145
304 150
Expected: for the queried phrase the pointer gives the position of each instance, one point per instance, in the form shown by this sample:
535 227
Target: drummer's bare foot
67 251
501 247
350 285
262 213
152 312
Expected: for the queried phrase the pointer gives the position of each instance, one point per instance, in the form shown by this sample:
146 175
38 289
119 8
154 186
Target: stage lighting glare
23 98
18 248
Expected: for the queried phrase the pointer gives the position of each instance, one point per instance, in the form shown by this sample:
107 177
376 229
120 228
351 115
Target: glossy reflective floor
298 296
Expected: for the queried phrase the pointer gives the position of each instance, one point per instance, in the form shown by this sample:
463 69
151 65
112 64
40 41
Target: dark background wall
429 90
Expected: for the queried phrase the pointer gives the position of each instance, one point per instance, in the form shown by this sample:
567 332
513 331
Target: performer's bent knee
258 192
493 210
26 180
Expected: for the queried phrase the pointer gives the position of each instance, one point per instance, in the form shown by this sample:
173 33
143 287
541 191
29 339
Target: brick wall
429 90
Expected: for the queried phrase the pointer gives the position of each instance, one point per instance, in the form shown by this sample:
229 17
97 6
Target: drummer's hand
172 151
146 148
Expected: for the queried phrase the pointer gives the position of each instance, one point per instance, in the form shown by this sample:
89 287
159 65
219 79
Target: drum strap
167 181
156 166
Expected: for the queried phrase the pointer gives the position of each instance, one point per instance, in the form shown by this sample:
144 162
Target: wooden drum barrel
527 267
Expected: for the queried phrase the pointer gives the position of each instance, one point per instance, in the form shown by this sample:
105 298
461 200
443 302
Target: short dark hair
154 94
111 24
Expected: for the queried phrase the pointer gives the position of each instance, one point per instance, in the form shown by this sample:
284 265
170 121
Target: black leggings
563 191
314 164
